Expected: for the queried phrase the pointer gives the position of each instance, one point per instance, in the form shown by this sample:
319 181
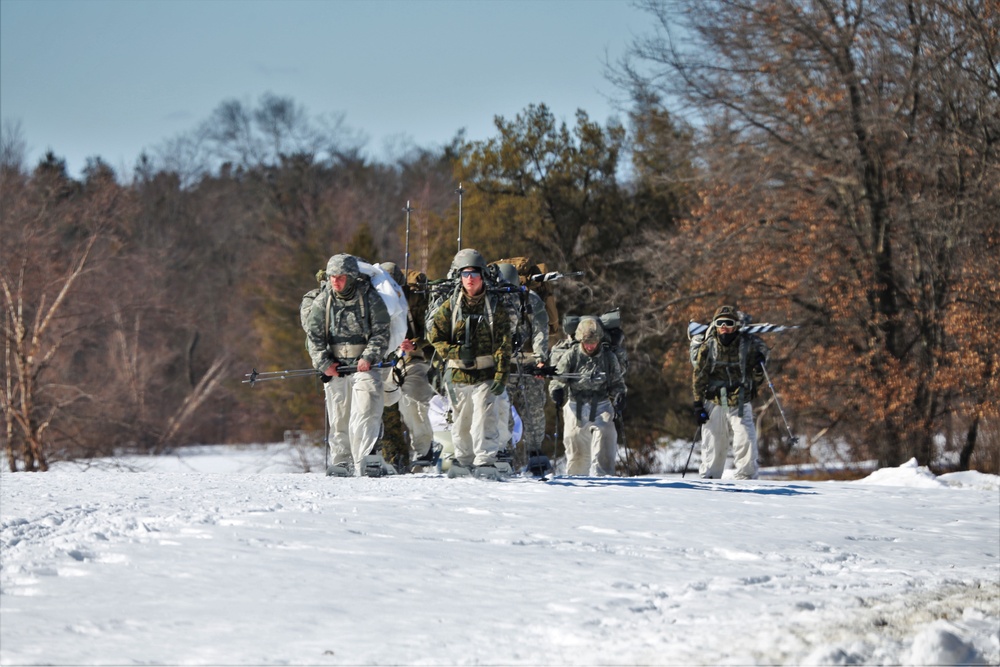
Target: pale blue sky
114 77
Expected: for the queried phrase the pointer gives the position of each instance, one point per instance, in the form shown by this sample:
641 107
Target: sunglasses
725 323
471 274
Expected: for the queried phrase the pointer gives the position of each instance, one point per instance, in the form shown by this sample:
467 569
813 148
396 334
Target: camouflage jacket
489 328
735 367
530 326
603 379
416 303
362 320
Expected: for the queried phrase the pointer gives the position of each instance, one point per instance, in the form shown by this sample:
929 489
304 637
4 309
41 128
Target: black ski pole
794 439
256 376
620 427
697 435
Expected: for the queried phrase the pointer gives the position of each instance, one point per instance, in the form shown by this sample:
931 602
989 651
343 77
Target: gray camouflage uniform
343 328
590 438
526 391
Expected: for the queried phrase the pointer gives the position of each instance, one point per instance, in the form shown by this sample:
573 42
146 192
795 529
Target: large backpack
372 276
614 337
526 268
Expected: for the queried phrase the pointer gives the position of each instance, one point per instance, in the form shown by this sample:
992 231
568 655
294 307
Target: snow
230 556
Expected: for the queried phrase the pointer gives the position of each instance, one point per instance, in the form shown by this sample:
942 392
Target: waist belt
347 351
485 361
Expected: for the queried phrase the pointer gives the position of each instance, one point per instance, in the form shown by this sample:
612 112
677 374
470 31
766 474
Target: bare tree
32 339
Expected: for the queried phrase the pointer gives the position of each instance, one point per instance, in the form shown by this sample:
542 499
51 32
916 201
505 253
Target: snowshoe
538 464
486 472
374 465
458 470
340 470
428 460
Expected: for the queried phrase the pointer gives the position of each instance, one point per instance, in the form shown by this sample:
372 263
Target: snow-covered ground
222 556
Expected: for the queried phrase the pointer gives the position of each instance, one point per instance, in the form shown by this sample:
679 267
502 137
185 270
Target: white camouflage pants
474 430
354 405
501 410
414 407
725 426
591 444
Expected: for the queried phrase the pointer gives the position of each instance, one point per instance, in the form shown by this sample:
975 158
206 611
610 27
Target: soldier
727 369
471 332
415 391
530 352
587 401
350 327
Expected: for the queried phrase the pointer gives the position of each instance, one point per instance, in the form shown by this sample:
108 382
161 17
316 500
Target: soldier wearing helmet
414 390
349 327
530 323
727 368
471 332
587 400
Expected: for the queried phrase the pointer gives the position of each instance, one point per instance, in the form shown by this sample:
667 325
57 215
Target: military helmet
468 257
343 265
589 329
508 272
728 313
394 271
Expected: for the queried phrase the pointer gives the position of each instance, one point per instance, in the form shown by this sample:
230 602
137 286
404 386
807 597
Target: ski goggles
470 273
725 323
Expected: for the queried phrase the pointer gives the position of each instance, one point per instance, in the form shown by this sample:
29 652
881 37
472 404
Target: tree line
827 164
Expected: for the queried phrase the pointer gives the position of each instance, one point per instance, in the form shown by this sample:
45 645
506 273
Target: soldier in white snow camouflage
347 326
587 402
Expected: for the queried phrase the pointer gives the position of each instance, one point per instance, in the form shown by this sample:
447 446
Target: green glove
497 386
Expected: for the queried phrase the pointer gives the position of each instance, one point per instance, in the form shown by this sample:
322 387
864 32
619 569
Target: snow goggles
470 273
725 323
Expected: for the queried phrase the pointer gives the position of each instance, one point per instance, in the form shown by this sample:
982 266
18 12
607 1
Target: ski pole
620 426
406 253
258 376
326 435
460 191
255 376
691 451
794 439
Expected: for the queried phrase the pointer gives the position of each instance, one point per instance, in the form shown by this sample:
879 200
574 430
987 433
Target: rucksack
526 268
372 276
614 337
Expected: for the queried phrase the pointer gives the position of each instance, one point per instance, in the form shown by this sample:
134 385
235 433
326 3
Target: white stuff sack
395 301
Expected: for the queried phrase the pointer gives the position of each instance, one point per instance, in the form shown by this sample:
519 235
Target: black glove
619 403
467 356
544 371
700 414
559 396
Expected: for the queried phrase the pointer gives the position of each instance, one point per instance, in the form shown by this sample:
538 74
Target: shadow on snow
701 485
